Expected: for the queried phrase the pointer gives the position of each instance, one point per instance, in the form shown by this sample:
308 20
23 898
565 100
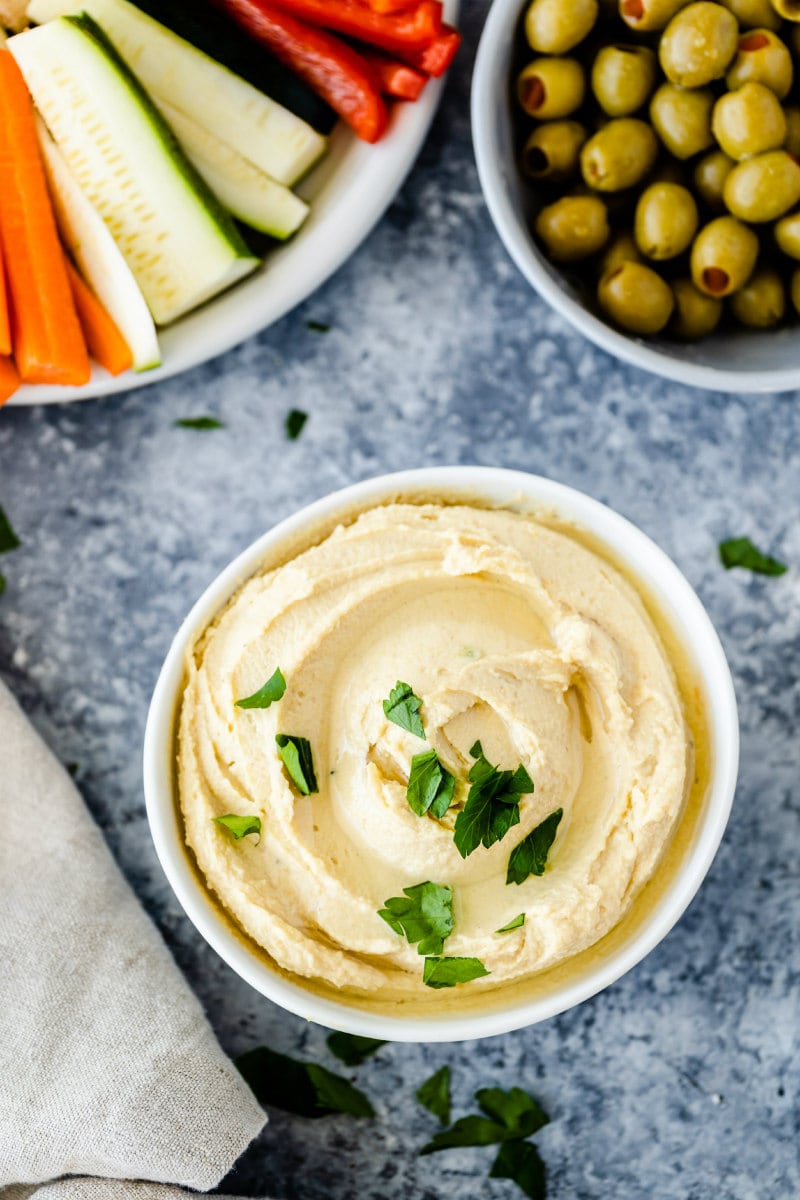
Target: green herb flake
434 1094
430 786
520 1162
517 923
8 539
448 972
272 691
402 708
295 753
318 327
740 552
492 806
424 914
302 1088
351 1049
295 420
466 1131
239 827
199 423
508 1116
530 856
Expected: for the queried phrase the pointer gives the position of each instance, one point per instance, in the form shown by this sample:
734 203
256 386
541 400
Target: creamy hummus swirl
512 632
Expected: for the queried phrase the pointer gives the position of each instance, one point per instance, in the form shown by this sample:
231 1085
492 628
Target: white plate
351 189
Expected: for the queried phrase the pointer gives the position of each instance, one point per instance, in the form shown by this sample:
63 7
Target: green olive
761 303
763 188
792 143
619 155
795 290
788 9
749 121
623 249
762 58
574 227
551 87
623 78
752 14
709 178
682 119
696 315
647 15
553 27
698 44
787 235
723 257
666 220
636 298
553 150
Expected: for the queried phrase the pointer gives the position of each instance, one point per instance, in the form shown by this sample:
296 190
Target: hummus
512 631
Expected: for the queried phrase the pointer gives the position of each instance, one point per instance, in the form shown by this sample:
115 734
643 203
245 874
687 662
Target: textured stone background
680 1082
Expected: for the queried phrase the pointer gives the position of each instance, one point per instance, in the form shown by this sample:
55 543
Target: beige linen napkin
108 1066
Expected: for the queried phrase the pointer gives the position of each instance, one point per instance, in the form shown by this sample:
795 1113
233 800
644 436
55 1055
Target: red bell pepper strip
436 57
390 6
411 30
397 79
334 70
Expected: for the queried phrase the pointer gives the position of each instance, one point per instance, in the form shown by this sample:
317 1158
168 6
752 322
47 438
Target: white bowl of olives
641 162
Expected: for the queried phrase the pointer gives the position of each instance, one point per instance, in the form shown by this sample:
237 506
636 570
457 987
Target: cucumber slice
245 191
181 246
98 257
171 69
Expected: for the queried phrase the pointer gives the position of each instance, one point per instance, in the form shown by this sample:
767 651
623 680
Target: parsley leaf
466 1131
318 327
492 806
740 552
352 1049
272 690
8 539
423 914
517 923
199 423
521 1162
297 1087
530 856
295 420
515 1109
430 786
447 972
434 1094
402 708
239 827
295 753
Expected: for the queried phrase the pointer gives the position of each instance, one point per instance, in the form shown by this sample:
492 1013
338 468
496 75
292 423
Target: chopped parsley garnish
272 690
352 1049
492 806
509 1116
8 539
199 423
402 708
297 1087
318 327
239 827
434 1094
520 1161
448 972
530 856
740 552
295 753
295 420
424 914
517 923
430 785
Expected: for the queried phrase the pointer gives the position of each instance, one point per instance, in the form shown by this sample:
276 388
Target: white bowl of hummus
442 755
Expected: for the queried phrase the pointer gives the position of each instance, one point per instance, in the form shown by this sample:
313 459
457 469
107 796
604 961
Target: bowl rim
673 594
489 85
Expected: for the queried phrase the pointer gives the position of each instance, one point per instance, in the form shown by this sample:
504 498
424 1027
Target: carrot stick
9 379
45 333
105 343
5 322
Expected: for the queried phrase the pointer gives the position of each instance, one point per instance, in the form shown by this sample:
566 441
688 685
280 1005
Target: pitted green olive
723 257
623 78
623 249
549 88
788 9
763 188
682 119
762 58
553 150
752 14
709 178
636 298
648 15
749 121
787 235
761 303
574 227
698 44
696 315
666 220
619 155
792 143
553 27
